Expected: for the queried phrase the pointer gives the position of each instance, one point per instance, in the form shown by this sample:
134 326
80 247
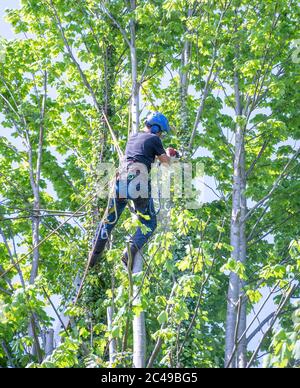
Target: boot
97 253
133 251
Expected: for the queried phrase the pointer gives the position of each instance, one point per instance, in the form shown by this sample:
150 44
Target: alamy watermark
180 180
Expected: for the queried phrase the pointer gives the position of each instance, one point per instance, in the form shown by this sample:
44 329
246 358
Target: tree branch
257 223
42 127
274 228
82 74
276 184
203 99
259 327
278 312
12 257
7 353
123 32
250 325
264 146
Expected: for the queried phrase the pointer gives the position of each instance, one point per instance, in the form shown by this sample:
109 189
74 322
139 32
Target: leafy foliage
82 55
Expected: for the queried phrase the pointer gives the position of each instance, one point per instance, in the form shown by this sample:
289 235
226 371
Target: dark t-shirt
143 147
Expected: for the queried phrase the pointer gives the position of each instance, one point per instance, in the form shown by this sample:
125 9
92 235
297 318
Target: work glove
173 153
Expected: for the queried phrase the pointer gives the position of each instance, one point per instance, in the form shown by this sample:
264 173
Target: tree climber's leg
116 207
145 206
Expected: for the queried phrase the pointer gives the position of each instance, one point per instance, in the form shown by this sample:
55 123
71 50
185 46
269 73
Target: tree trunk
112 342
184 84
35 177
139 327
35 185
242 348
32 331
235 235
185 57
135 97
35 238
49 347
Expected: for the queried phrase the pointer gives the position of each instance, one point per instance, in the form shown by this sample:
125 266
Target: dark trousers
144 206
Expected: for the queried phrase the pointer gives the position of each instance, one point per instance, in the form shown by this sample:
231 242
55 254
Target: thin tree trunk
242 348
35 218
35 183
202 103
184 84
35 241
36 348
135 97
139 327
235 234
112 342
49 347
35 177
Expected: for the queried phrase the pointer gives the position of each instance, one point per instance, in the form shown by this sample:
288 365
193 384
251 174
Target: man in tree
133 183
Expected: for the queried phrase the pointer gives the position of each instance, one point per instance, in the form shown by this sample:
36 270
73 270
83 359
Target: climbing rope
111 197
121 155
47 237
104 218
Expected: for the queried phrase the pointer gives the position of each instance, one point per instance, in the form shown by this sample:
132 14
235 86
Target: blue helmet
157 122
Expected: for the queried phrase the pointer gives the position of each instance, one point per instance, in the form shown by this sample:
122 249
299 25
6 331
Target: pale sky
5 29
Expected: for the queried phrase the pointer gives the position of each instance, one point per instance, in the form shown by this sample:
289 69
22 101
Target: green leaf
163 317
115 332
254 296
